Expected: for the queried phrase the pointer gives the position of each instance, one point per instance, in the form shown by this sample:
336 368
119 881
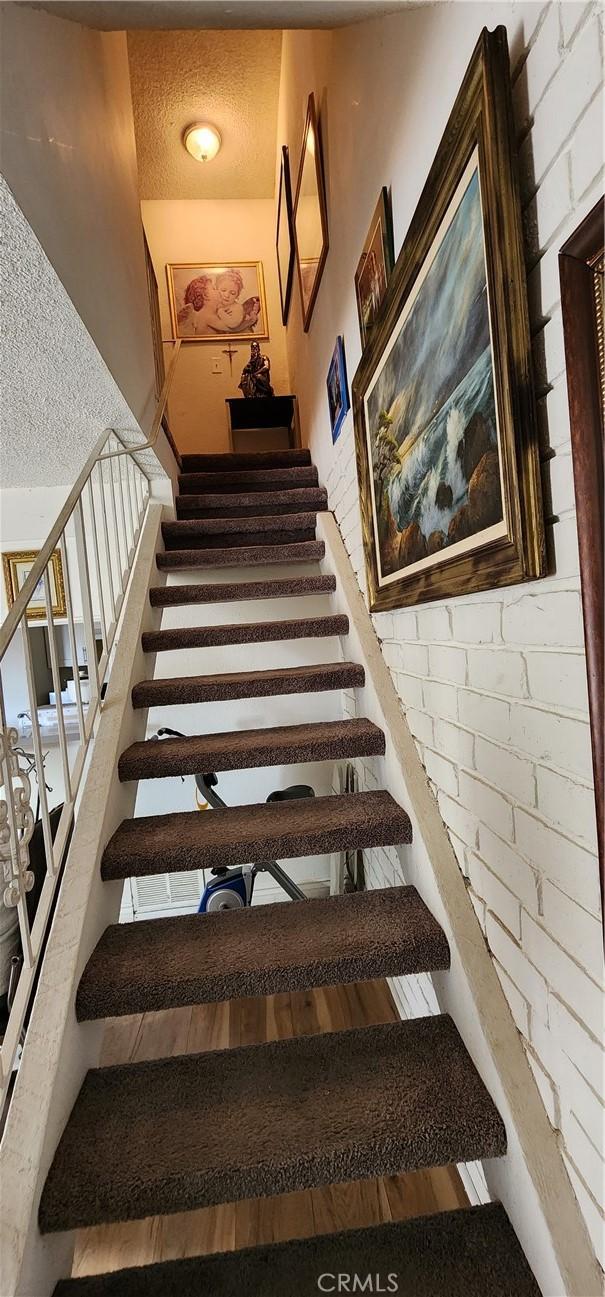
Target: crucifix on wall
230 352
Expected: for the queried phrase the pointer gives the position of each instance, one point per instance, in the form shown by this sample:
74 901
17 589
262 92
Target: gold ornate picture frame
214 301
17 565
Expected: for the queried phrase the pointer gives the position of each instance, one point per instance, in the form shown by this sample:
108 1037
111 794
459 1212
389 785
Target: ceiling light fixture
202 141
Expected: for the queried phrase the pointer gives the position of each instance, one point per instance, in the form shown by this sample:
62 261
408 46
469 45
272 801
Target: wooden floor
242 1224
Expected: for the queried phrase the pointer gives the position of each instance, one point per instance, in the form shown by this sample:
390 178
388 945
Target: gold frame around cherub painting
250 272
445 426
14 581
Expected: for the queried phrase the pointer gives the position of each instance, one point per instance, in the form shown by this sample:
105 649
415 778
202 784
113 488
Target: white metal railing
73 595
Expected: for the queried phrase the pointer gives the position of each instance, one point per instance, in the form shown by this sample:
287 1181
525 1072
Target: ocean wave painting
430 411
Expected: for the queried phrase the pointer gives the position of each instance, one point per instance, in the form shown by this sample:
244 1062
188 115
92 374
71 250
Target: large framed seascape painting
217 302
445 429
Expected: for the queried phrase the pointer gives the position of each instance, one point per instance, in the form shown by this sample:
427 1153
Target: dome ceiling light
202 141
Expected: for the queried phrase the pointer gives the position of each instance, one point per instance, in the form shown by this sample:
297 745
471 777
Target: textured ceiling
229 78
112 15
57 394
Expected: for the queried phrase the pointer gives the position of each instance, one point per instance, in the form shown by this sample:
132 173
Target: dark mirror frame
284 213
581 268
312 123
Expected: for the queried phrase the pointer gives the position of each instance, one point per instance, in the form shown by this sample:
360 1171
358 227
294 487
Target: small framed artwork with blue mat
338 391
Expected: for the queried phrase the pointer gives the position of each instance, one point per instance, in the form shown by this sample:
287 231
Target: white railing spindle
19 821
107 546
56 677
118 543
73 643
38 753
87 613
122 509
131 504
95 546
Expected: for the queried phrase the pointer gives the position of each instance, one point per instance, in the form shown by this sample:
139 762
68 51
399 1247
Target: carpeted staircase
190 1131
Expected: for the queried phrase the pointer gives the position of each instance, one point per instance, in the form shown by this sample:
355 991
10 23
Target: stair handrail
17 609
160 410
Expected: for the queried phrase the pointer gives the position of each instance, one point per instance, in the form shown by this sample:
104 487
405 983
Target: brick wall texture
494 685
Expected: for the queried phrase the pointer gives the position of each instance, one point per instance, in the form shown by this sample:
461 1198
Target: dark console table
262 413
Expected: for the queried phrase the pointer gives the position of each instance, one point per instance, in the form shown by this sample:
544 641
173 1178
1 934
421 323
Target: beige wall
220 230
494 685
68 156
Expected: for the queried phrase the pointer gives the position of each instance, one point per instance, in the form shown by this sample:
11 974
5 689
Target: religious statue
256 376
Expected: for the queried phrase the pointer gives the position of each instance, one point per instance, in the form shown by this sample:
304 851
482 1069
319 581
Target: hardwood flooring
264 1220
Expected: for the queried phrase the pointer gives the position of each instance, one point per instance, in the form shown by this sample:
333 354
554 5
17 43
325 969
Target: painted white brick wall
494 685
414 995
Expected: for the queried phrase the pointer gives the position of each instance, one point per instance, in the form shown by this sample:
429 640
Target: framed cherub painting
214 302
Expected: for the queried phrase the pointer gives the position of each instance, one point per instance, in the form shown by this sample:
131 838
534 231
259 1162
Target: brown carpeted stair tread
252 504
246 749
266 479
185 528
229 685
214 533
265 950
170 596
260 632
472 1252
241 835
308 551
195 1130
231 461
281 534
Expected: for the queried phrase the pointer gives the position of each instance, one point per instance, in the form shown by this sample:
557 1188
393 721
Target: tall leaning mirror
310 216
